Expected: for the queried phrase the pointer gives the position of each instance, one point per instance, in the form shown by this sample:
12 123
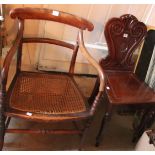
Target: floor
117 137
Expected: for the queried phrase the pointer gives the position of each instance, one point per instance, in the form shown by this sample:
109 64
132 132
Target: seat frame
6 113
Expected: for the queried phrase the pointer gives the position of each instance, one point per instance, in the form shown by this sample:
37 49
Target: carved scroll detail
123 35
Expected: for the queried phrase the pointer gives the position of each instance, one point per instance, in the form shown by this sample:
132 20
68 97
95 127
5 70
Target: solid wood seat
126 88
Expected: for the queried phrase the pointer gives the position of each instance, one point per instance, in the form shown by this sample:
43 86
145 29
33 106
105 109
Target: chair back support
123 35
52 15
44 14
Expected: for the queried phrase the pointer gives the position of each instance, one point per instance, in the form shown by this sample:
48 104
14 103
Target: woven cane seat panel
46 94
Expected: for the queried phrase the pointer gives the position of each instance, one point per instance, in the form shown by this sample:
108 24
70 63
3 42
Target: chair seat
46 94
125 88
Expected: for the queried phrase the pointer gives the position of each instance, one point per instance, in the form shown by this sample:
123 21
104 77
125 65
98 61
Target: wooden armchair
123 88
43 96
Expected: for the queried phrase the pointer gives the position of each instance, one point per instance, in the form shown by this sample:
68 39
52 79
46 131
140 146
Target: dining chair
46 96
123 88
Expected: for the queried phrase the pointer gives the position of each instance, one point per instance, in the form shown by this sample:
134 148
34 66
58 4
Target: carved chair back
123 36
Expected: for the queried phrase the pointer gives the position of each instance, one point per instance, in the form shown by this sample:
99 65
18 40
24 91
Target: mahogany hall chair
43 96
123 88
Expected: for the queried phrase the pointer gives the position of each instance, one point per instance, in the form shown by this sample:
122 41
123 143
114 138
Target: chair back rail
52 15
49 41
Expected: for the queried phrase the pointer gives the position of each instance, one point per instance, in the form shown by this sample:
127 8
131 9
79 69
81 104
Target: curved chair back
123 35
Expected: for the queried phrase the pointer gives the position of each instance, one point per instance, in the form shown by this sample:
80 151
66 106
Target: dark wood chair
123 88
45 96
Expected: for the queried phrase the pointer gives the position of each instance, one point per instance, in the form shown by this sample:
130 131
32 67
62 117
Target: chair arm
99 69
11 52
92 61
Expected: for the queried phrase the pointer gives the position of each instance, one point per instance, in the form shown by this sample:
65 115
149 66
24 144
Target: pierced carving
123 35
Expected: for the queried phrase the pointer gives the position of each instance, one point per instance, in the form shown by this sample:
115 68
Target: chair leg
105 120
146 122
86 128
2 129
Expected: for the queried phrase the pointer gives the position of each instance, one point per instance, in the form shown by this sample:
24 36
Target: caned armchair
46 96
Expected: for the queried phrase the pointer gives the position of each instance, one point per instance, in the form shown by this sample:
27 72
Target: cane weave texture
47 94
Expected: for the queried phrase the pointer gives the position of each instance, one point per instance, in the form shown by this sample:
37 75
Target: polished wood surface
92 61
11 53
123 88
123 36
64 91
126 88
53 15
49 41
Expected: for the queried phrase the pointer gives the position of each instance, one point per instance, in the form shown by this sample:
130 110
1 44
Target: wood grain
47 14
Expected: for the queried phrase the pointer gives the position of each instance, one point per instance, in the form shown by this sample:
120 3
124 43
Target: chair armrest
92 61
99 69
11 52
